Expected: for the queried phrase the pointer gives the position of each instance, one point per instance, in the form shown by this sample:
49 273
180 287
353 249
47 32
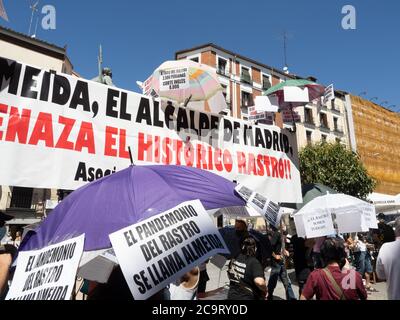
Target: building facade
243 79
28 205
375 137
323 123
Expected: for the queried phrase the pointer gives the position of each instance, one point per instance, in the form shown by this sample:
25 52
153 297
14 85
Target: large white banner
47 274
157 251
59 131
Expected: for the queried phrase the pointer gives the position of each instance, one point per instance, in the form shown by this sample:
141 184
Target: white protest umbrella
350 214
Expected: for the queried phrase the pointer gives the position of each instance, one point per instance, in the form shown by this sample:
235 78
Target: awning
384 202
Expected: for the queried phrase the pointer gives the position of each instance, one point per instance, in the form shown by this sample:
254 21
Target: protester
204 278
362 260
186 287
386 232
278 268
241 230
7 254
18 238
331 282
246 274
388 264
301 259
316 255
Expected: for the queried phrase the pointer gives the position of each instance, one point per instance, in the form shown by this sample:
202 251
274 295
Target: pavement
219 285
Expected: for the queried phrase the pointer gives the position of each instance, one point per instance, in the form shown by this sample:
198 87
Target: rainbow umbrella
194 85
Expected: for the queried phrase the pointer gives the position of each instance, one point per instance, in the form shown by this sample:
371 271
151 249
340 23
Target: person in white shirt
186 287
388 264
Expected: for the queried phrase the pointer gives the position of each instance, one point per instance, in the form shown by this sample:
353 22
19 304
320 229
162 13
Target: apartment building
243 79
28 205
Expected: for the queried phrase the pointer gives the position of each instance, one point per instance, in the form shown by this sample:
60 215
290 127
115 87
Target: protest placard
47 117
48 273
174 79
265 207
159 250
318 223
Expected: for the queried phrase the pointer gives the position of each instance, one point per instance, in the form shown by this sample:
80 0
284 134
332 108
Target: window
196 59
21 197
308 116
336 124
222 66
266 84
323 118
309 136
323 137
245 76
246 99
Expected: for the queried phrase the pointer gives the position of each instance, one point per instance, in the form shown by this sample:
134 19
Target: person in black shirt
246 274
386 233
278 269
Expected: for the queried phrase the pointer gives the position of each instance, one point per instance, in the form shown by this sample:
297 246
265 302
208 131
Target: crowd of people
337 267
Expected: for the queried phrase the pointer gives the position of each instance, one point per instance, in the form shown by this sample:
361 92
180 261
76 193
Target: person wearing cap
388 264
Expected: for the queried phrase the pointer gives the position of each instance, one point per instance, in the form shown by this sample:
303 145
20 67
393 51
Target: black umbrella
4 217
232 240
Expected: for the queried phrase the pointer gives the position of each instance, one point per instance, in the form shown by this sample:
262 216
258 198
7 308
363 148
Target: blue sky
137 36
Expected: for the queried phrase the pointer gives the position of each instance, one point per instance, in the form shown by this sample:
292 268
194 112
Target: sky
137 36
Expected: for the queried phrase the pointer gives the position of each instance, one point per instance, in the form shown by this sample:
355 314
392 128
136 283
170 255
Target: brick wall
209 58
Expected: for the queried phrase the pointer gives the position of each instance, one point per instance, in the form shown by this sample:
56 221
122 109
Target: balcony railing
324 126
266 85
245 78
222 71
338 130
309 121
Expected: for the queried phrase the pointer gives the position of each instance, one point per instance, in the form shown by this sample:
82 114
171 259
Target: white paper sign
329 93
318 223
174 79
47 274
266 103
266 208
295 94
158 250
351 220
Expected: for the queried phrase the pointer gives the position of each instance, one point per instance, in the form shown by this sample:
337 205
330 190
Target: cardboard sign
174 79
159 250
318 223
290 116
48 273
266 208
46 118
266 103
295 94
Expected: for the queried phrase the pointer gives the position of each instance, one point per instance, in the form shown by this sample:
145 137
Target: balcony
335 109
324 127
309 121
338 131
246 78
266 84
221 70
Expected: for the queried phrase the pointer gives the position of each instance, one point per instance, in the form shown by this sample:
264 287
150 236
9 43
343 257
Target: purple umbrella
126 197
